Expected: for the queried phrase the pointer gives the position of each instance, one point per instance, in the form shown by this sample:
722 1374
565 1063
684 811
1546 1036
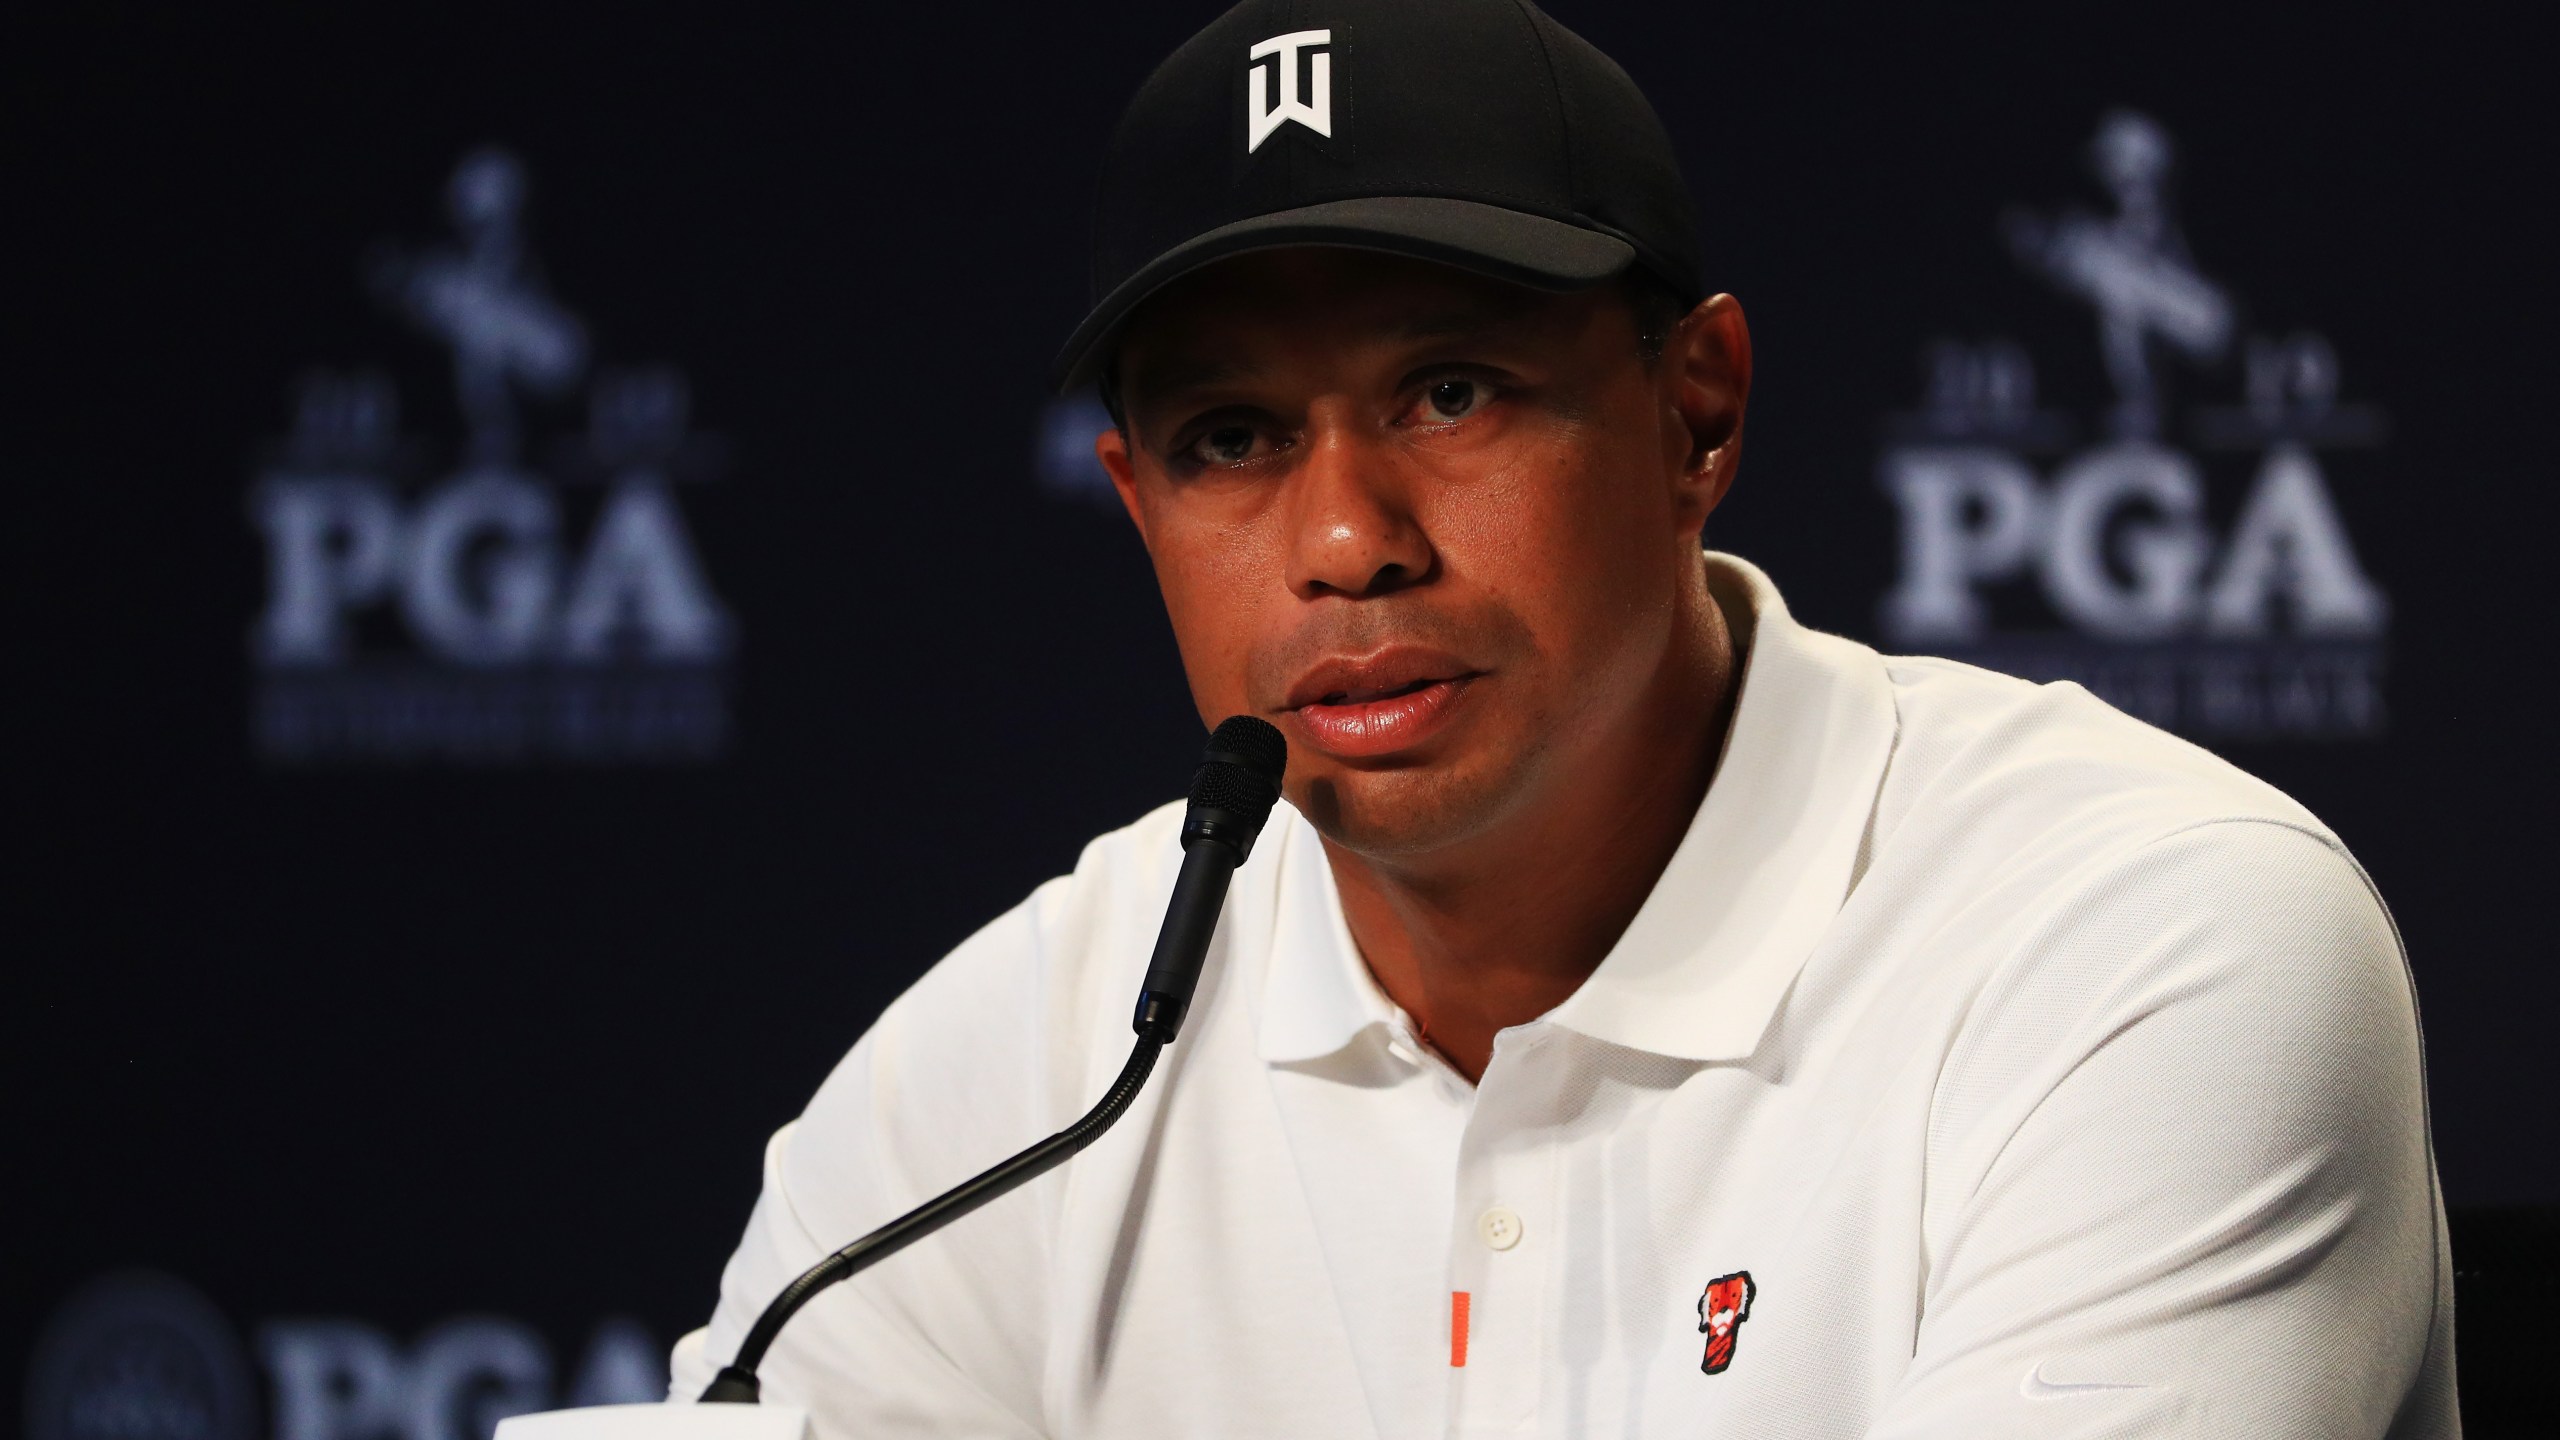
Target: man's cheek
1212 628
1531 546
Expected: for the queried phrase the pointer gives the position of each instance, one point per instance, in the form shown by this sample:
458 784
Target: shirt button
1499 1228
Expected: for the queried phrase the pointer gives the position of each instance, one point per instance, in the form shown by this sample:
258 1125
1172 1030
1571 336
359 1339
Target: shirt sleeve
2179 1176
857 1367
947 1337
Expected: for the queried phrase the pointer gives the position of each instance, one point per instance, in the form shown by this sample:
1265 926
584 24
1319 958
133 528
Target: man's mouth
1370 694
1379 704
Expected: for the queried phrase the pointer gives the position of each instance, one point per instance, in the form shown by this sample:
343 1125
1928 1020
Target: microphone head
1236 785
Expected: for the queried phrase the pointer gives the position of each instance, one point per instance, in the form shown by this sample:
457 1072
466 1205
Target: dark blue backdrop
441 968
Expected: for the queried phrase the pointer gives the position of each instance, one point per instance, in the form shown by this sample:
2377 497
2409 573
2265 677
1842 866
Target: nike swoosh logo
2036 1387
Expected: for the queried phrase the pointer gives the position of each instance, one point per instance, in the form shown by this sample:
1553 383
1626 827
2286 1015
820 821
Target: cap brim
1487 240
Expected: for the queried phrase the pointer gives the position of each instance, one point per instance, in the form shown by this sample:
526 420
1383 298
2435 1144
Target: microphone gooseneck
1231 796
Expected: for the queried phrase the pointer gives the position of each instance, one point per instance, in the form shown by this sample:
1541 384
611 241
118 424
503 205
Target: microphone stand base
672 1420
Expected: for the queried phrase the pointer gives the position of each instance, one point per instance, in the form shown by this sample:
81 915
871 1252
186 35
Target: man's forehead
1208 326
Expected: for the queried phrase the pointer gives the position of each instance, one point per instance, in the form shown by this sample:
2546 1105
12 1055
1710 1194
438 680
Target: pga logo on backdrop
2111 563
142 1354
485 599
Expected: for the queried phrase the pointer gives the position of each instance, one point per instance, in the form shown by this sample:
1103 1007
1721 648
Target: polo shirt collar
1768 860
1317 993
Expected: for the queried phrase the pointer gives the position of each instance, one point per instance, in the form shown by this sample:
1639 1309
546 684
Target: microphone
1232 793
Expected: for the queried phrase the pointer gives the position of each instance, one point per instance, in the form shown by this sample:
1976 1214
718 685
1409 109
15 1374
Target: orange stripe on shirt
1458 1302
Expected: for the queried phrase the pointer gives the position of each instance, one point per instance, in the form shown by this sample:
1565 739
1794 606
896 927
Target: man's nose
1353 531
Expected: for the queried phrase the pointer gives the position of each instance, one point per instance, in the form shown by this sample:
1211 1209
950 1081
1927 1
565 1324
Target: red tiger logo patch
1721 1312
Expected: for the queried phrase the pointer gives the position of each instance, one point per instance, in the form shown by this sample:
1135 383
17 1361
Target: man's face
1436 528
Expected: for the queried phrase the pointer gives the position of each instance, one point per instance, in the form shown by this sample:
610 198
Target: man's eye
1226 445
1452 400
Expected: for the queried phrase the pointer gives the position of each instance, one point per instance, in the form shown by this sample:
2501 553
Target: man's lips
1379 704
1370 694
1364 679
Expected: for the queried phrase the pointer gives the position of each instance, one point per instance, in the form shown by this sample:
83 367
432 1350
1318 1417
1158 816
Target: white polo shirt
1985 1063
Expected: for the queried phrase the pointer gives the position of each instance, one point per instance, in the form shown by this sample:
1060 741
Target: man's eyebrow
1193 370
1450 324
1168 374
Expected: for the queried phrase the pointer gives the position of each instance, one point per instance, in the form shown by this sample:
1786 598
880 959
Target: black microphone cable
1231 796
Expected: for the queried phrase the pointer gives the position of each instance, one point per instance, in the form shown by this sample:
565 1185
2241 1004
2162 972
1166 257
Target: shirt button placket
1505 1167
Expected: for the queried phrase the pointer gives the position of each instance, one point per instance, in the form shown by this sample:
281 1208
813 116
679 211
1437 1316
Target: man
1649 1017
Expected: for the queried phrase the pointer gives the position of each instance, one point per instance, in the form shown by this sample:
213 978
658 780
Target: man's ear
1709 360
1111 447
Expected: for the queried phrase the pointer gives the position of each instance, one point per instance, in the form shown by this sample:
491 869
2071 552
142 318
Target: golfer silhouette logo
1721 1311
485 298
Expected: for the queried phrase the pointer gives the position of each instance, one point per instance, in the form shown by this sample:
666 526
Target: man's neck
1472 944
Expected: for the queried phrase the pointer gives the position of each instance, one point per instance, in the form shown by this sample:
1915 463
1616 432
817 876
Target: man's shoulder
1007 1032
1132 866
2052 847
2090 875
2010 763
1047 954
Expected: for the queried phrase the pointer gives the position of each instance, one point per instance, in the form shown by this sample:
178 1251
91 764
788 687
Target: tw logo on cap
1273 79
1721 1311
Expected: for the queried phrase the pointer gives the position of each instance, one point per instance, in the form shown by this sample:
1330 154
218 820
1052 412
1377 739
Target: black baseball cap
1476 133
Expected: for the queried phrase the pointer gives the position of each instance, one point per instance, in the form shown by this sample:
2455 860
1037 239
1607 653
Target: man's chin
1408 813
